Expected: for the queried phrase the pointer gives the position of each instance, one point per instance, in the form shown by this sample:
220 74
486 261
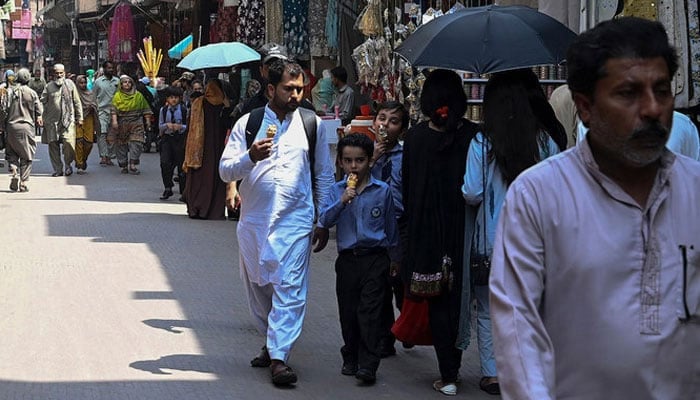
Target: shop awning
182 48
55 12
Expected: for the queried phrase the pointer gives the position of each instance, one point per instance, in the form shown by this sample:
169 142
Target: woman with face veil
205 192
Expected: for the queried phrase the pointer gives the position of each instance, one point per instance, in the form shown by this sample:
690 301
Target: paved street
107 292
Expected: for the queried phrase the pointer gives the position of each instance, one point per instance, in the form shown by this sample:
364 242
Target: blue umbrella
488 39
218 55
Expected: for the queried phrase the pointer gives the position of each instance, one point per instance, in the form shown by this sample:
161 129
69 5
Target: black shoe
407 345
282 374
349 368
366 375
166 194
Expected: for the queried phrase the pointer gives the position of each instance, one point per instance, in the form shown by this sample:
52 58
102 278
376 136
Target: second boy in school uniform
390 123
363 210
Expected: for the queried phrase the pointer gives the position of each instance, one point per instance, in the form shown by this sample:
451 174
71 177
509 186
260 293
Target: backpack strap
308 118
253 125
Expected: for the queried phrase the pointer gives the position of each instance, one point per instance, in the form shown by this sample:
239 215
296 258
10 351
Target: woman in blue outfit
514 137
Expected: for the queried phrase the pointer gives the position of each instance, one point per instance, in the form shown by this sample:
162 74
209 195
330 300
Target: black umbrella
488 39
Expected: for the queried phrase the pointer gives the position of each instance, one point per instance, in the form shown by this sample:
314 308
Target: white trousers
278 311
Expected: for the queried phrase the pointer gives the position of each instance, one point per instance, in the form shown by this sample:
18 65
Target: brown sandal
282 374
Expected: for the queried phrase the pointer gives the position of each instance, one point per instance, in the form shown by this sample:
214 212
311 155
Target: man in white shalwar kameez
595 280
276 229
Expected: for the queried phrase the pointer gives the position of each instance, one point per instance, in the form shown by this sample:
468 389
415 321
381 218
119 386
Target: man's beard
60 81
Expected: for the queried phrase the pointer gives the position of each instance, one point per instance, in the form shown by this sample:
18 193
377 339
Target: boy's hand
320 238
348 195
260 150
379 150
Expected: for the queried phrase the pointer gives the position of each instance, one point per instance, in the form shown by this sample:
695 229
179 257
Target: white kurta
277 219
587 288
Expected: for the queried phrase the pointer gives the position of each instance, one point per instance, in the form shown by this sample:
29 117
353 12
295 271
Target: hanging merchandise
122 39
318 45
296 38
274 21
369 22
332 24
251 23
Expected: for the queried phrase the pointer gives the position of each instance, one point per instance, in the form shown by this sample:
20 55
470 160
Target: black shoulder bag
481 261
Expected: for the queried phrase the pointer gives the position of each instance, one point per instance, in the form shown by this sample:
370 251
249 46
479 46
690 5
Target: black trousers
360 286
393 294
444 326
172 154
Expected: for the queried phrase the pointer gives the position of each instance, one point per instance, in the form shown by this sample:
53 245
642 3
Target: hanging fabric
318 45
274 12
296 29
251 23
122 39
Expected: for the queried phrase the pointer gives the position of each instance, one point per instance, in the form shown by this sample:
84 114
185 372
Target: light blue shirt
496 188
368 221
387 168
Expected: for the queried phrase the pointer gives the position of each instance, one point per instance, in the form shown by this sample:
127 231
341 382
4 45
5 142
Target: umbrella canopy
488 39
219 55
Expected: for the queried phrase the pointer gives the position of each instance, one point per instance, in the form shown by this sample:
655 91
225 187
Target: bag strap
253 125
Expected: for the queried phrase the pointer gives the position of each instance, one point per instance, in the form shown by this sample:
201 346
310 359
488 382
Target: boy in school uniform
363 210
390 123
172 124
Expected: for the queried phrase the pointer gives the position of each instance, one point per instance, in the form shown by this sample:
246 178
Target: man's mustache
651 130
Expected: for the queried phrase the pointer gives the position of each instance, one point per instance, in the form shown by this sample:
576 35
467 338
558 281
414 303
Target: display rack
550 76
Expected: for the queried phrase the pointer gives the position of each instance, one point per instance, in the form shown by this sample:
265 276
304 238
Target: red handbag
413 324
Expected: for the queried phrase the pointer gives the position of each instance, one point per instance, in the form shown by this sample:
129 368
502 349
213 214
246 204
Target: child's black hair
395 106
356 140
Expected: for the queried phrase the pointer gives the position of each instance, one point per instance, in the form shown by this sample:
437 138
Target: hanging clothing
332 24
295 28
251 23
274 20
318 44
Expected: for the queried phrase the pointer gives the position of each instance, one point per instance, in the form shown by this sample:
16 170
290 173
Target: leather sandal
282 374
262 360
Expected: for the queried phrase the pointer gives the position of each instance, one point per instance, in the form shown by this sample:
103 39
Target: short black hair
397 106
104 64
627 37
442 98
356 140
340 73
173 91
279 67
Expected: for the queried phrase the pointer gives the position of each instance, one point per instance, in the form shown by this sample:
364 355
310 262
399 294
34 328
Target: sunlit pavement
107 292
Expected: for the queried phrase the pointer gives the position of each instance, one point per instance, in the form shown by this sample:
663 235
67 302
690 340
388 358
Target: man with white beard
62 111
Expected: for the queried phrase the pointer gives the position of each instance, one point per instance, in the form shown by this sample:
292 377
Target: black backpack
308 118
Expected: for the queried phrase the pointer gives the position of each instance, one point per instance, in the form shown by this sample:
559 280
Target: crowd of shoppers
545 247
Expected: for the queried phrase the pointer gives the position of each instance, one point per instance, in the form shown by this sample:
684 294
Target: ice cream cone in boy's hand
352 181
271 131
382 133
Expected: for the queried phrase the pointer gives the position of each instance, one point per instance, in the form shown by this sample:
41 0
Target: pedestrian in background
105 86
280 191
595 290
512 139
172 127
85 134
23 111
129 108
205 192
37 83
62 112
362 207
434 159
